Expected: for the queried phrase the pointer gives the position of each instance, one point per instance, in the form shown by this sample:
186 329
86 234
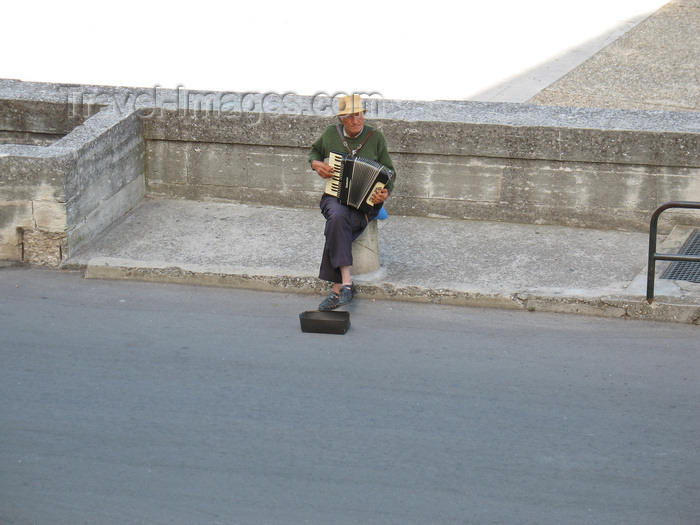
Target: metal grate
686 271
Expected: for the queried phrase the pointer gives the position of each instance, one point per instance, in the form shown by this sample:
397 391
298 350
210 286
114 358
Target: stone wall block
166 161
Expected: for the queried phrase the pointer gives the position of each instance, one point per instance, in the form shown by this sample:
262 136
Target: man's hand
323 169
380 196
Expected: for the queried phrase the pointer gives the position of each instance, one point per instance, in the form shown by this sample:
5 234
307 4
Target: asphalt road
133 403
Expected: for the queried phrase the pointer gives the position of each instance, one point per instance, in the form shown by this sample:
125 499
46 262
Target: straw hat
350 105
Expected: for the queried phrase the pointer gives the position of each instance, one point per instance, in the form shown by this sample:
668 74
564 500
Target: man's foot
336 299
330 303
347 292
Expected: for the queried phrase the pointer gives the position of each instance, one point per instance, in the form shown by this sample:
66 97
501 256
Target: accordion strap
352 152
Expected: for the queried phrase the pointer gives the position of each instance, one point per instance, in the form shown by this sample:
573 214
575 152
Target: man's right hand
323 169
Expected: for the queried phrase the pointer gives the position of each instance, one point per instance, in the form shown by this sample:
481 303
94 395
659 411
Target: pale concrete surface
653 66
525 85
532 267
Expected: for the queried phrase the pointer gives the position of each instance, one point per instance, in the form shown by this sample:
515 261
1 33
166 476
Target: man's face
353 123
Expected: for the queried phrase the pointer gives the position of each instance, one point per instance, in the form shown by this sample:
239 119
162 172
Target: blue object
382 214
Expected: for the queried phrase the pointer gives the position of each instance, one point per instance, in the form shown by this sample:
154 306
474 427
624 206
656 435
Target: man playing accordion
344 223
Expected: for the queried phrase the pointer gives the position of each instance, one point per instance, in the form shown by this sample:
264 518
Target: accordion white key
355 179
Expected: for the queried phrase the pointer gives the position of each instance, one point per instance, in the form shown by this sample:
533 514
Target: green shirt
374 149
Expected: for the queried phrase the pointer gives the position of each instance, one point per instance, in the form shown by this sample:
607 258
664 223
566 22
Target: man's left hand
380 196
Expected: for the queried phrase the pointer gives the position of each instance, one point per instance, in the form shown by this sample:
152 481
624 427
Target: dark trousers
343 225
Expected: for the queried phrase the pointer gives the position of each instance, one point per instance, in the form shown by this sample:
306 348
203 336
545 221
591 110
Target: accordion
355 179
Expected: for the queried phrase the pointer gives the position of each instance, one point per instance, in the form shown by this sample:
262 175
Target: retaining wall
570 167
82 156
72 175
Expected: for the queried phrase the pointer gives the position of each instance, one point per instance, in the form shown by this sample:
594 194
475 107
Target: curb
663 309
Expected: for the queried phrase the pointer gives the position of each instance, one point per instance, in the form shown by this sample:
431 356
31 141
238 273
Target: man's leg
343 225
346 279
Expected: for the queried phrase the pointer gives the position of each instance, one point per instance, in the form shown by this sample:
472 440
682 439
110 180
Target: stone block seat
365 249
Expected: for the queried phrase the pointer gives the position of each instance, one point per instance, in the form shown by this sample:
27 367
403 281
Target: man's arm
317 159
385 159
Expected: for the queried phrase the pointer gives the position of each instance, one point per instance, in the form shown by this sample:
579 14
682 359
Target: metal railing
653 256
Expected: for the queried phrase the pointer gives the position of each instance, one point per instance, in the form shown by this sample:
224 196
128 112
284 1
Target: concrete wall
36 122
56 197
79 157
106 176
506 162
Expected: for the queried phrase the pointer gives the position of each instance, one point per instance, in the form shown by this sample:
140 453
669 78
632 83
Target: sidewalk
471 263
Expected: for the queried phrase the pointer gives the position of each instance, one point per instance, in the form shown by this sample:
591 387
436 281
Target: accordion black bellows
355 179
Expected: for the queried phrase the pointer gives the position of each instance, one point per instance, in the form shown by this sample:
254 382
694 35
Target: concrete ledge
479 264
203 275
665 309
